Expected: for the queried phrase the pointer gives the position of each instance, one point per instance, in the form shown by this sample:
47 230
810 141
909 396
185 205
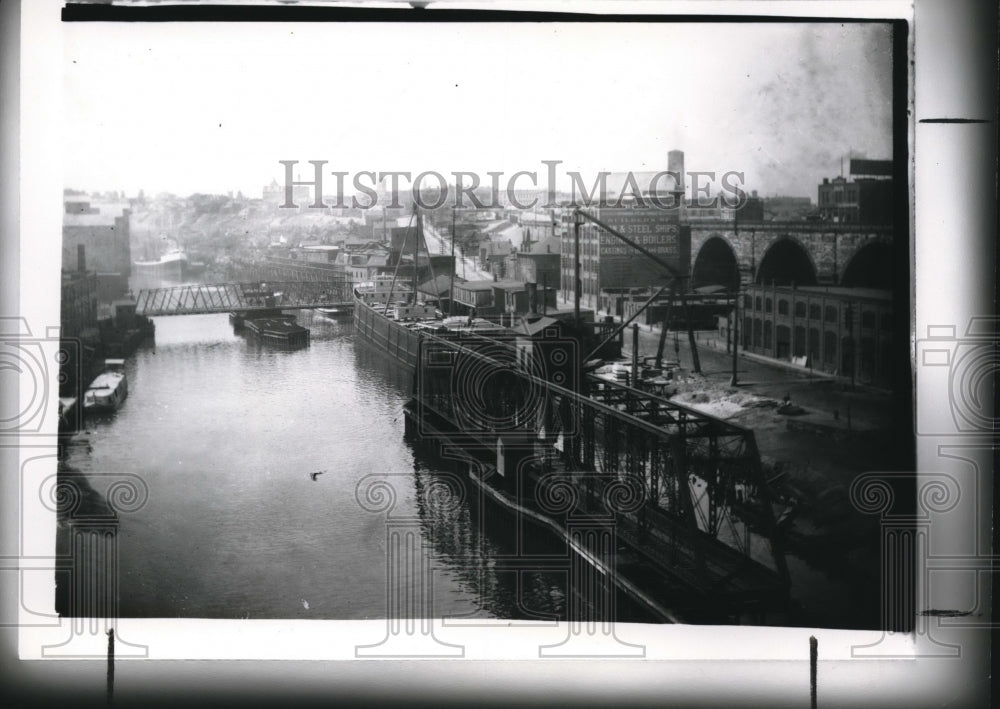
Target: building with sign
609 266
867 198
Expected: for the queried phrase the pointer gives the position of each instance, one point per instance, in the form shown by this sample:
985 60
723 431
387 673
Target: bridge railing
226 297
698 471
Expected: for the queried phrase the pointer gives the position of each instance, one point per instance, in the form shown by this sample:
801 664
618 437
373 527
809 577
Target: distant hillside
211 226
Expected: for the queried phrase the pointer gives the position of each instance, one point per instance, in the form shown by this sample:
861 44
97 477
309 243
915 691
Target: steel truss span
227 297
685 489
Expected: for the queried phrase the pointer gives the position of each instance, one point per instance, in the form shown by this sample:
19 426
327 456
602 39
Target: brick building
841 331
867 198
608 265
97 239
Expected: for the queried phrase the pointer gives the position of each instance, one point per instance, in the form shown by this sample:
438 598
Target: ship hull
169 267
388 335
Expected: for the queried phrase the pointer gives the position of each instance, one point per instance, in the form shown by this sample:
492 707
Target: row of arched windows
830 313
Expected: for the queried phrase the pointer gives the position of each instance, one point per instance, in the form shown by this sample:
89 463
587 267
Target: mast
734 329
576 268
416 236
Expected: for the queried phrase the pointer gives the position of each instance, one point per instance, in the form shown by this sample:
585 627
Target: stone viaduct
803 253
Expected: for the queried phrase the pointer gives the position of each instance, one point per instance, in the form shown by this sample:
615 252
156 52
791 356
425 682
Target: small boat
108 390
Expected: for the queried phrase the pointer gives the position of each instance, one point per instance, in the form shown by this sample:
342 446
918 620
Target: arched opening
847 355
829 348
871 267
814 347
715 265
786 262
799 342
783 341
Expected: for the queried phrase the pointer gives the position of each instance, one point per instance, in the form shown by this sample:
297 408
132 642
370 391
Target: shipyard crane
671 272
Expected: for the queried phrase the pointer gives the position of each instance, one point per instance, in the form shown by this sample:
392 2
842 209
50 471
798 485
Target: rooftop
89 219
873 293
476 285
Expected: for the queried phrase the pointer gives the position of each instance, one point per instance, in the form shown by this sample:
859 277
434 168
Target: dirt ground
811 458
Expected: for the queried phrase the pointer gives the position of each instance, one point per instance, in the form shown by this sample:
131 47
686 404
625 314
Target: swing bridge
244 297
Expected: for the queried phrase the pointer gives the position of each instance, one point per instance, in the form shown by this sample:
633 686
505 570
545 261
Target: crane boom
673 273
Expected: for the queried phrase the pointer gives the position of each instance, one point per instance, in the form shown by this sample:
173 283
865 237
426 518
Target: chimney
81 258
531 288
675 166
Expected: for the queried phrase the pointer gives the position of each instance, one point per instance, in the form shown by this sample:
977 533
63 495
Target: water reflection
223 434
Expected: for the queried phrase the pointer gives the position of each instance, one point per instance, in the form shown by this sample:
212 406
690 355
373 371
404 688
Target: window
768 305
813 345
886 321
782 307
800 309
868 320
815 312
829 347
799 342
756 303
831 314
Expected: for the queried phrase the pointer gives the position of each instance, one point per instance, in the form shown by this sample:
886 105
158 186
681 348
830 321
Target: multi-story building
493 298
865 199
539 262
364 264
78 302
609 266
536 225
97 239
843 331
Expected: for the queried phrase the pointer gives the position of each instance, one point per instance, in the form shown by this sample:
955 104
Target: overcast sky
211 108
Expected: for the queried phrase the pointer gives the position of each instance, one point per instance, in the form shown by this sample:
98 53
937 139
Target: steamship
171 265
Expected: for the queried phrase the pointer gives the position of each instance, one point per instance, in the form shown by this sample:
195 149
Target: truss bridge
684 489
243 297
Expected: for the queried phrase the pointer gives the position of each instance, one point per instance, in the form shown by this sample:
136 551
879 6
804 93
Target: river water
224 433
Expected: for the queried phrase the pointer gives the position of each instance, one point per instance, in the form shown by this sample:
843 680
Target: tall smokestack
81 258
675 166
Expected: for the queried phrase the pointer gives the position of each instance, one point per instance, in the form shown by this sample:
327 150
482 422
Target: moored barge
281 332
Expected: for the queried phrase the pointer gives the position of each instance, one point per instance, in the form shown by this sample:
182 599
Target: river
224 433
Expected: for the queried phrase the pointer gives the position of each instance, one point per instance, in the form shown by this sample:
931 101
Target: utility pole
736 338
576 268
736 297
695 360
849 317
451 290
635 355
